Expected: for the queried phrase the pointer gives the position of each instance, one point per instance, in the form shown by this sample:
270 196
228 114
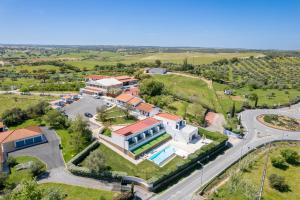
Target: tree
37 110
56 119
278 182
151 87
81 134
279 162
290 156
27 190
232 113
254 97
14 116
96 162
158 63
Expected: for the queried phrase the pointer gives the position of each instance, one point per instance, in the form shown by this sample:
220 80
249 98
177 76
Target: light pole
201 170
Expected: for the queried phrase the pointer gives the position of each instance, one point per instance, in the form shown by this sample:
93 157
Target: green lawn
8 101
27 123
145 169
17 176
150 144
79 193
117 116
254 177
68 151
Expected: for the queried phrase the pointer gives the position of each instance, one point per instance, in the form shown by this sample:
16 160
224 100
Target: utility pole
264 174
201 171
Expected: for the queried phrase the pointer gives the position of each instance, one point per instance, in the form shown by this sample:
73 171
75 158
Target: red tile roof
210 117
169 116
96 77
135 101
18 134
124 78
146 107
137 127
124 97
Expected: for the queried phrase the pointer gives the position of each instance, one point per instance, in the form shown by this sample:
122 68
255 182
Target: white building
137 134
177 128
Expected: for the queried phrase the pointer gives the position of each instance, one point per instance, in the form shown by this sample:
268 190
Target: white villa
177 128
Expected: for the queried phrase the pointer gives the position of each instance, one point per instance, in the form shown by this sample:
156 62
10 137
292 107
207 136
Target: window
37 139
20 143
29 141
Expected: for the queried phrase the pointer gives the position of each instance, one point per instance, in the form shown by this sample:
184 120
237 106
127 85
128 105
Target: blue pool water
159 157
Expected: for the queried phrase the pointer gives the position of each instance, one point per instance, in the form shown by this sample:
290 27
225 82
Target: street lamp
201 170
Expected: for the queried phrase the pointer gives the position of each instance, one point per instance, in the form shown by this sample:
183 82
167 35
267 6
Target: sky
253 24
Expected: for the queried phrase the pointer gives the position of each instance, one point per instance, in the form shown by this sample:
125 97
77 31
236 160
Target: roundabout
280 122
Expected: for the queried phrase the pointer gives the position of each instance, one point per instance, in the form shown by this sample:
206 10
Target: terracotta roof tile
137 127
124 97
169 116
96 77
146 107
135 101
9 136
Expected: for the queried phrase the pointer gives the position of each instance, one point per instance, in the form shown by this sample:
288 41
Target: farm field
110 58
8 101
253 177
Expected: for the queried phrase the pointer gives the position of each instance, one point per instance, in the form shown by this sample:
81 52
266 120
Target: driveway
47 152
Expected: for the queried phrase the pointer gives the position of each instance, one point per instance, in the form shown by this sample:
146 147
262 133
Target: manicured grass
79 193
8 101
150 144
27 123
107 132
253 176
68 151
145 169
117 116
17 176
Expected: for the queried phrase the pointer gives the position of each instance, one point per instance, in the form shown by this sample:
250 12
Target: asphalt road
257 134
47 152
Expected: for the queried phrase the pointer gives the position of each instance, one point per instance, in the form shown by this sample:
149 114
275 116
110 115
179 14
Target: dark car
89 115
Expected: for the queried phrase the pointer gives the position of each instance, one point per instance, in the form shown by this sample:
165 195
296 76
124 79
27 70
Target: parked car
108 105
89 115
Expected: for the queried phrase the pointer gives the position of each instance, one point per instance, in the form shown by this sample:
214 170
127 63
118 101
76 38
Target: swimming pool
159 157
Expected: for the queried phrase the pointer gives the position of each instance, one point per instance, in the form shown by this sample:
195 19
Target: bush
11 161
3 178
290 156
279 162
125 196
278 182
14 117
37 168
56 119
96 162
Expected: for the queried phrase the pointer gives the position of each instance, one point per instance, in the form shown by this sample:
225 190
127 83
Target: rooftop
169 116
18 134
124 97
96 77
146 107
135 101
133 91
109 82
137 127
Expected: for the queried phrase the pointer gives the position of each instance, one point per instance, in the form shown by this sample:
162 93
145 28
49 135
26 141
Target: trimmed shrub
278 182
290 156
279 162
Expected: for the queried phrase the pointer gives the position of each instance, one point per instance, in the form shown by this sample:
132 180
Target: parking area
47 152
85 104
